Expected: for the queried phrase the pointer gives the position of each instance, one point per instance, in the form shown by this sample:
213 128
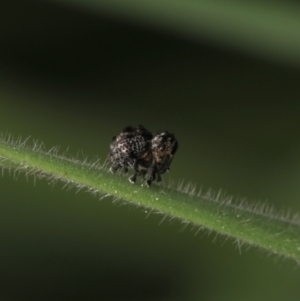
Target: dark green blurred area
75 78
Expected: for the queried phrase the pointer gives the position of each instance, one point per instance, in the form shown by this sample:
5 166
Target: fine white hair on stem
213 211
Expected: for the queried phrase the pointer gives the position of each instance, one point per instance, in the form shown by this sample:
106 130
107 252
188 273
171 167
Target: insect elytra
148 154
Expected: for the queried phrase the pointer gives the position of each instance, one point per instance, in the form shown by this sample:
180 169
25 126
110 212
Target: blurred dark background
75 78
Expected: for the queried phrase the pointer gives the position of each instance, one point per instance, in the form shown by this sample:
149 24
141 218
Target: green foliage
223 76
265 29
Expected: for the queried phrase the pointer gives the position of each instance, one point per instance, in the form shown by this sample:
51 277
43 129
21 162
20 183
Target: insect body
148 154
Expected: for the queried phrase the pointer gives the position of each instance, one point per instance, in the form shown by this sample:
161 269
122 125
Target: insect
148 154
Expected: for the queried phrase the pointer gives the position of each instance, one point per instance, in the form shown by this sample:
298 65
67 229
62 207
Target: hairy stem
247 224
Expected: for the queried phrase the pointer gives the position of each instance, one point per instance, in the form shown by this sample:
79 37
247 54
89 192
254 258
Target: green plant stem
243 223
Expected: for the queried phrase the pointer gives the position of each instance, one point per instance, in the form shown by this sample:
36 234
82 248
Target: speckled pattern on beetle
148 154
